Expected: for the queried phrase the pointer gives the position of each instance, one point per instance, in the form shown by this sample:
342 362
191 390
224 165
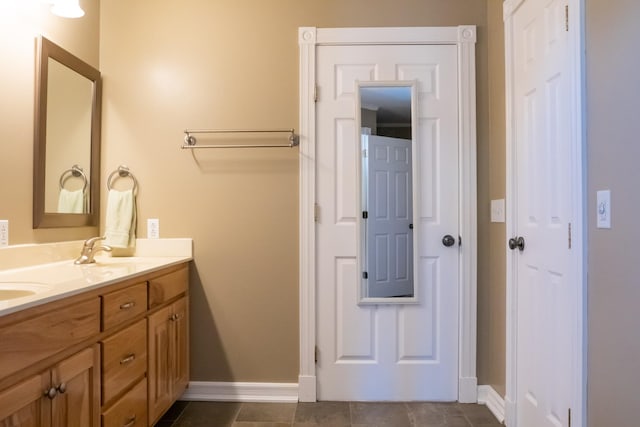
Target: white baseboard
241 392
488 396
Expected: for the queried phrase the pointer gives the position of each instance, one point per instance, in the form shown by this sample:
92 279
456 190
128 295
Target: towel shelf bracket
190 141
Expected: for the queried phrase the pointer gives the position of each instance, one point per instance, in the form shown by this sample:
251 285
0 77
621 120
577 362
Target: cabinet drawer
124 359
164 288
123 305
45 334
130 410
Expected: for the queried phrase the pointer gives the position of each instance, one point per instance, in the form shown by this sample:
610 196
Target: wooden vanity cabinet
112 357
67 395
151 354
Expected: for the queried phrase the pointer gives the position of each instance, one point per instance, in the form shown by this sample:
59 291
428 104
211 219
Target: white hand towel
120 223
71 201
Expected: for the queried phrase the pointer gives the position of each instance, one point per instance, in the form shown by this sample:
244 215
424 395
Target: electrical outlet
153 228
4 232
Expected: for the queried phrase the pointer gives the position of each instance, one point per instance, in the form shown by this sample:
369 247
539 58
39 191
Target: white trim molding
576 48
488 396
307 187
240 392
464 37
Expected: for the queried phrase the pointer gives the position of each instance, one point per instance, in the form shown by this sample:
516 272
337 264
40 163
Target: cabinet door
180 347
78 383
159 363
24 404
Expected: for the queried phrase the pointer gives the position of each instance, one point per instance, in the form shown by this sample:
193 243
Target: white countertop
56 280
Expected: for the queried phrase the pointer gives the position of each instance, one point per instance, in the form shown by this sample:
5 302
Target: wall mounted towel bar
190 140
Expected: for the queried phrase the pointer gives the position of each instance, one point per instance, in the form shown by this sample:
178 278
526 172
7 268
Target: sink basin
120 262
13 290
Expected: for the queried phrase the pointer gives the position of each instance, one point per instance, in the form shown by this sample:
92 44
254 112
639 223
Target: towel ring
122 172
75 171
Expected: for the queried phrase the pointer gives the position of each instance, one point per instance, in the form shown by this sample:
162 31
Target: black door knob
516 242
448 240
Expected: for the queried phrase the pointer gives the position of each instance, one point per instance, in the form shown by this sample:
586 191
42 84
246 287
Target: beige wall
492 237
172 65
613 103
21 21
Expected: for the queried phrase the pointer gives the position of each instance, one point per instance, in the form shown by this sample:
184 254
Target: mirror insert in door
386 171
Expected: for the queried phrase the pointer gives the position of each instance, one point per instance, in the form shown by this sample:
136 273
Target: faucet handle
92 241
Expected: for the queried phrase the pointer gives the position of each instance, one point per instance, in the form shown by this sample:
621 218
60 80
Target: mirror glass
386 254
67 140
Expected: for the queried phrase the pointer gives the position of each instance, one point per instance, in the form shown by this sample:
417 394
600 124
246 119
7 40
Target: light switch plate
603 209
153 228
497 210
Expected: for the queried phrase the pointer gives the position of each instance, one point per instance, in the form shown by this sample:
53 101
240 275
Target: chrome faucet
89 250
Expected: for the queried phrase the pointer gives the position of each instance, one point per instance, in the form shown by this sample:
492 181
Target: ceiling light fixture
67 8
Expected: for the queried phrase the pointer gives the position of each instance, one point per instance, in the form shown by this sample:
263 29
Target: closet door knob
516 242
448 240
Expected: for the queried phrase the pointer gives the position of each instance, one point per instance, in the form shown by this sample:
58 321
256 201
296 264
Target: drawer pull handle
51 393
128 305
130 422
62 388
127 359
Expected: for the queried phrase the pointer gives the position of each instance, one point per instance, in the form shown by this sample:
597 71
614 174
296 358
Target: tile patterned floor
327 414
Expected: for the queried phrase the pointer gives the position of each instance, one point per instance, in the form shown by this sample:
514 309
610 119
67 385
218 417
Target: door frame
464 37
578 265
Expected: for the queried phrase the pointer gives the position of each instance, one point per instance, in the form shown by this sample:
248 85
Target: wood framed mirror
66 163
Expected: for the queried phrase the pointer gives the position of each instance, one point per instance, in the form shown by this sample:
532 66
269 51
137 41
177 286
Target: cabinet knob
51 393
62 388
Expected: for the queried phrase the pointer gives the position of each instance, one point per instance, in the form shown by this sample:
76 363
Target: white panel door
387 352
389 223
545 310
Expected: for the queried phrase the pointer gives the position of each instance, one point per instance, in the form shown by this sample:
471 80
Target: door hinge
315 93
569 235
316 212
566 18
569 418
365 214
365 275
315 354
